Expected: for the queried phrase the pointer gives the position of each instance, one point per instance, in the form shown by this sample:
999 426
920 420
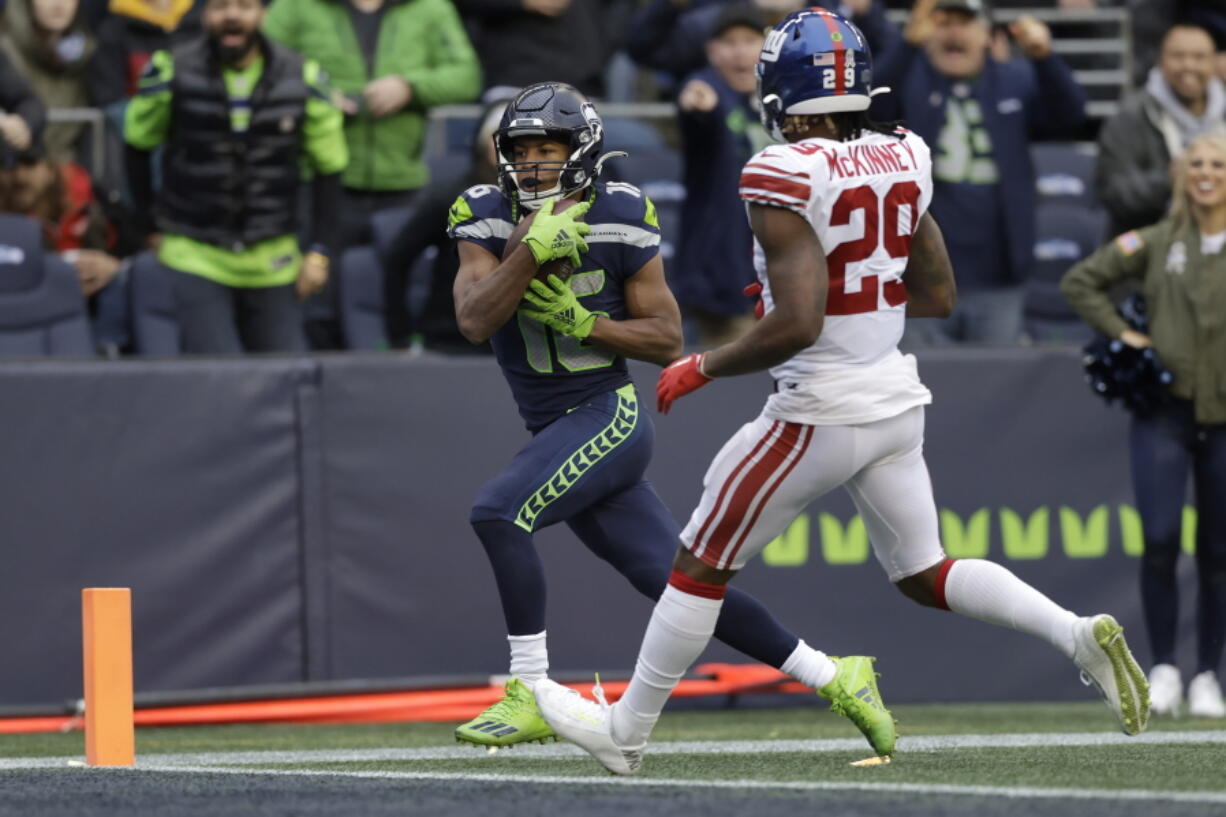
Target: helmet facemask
521 180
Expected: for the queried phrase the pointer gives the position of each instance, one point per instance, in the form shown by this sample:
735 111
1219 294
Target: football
560 267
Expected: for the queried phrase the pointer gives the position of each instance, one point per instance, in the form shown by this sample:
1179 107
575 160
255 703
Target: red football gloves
678 379
754 290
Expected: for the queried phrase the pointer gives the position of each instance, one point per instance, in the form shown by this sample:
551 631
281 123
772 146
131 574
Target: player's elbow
797 336
945 301
473 331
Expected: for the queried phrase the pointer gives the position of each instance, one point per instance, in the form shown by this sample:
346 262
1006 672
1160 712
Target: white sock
809 666
984 590
680 628
529 657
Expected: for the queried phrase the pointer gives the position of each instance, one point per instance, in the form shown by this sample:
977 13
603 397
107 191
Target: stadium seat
42 310
361 299
155 327
1064 171
1067 232
646 166
630 135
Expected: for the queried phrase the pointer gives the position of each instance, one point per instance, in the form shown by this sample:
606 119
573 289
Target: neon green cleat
514 719
1107 664
853 693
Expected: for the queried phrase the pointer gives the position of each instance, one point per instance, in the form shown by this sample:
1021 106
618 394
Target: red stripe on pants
723 491
757 477
806 435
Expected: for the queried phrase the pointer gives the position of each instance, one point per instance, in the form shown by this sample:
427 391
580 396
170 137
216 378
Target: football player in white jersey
845 250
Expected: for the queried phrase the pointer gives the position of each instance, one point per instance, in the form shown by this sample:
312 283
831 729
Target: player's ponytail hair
848 124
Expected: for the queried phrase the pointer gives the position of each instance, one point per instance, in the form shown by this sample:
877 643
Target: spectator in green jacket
391 61
237 117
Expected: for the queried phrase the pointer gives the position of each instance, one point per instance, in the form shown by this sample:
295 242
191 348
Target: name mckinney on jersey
852 159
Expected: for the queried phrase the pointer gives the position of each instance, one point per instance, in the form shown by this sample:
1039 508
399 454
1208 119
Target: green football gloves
558 235
556 305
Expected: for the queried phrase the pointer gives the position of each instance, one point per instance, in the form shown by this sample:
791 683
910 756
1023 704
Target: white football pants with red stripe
771 470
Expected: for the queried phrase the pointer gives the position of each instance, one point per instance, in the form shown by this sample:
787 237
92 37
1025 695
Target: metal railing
96 120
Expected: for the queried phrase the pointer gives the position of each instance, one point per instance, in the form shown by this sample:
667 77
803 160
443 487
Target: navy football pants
586 468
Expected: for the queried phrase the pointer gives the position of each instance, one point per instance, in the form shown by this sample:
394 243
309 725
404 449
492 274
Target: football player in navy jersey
562 345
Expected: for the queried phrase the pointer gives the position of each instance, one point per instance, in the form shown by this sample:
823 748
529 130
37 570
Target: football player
562 345
844 251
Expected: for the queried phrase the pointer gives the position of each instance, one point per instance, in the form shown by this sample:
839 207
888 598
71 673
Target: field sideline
1005 759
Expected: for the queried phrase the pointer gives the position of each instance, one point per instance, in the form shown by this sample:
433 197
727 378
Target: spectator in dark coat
979 116
127 37
671 35
22 115
522 42
1181 100
720 131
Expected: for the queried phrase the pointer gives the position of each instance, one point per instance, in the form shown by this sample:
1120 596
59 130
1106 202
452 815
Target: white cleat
1165 690
1205 697
587 724
1108 665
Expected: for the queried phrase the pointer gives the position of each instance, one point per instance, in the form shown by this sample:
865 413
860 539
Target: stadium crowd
264 178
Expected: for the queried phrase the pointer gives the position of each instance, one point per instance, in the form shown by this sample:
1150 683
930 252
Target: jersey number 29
880 229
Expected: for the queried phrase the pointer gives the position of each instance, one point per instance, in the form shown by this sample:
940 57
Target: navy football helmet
813 62
553 110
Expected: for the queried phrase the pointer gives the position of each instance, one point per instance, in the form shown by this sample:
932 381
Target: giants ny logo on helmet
813 62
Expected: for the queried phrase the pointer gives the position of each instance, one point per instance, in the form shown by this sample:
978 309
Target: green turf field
1049 759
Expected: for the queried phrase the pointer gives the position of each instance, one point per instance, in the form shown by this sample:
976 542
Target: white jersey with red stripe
863 199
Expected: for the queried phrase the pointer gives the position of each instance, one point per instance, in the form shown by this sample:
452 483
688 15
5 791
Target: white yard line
1012 792
931 743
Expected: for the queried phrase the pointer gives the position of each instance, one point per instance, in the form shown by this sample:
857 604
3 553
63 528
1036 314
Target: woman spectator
1181 268
48 46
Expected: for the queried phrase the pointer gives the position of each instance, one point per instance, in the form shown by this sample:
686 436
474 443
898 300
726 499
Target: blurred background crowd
221 176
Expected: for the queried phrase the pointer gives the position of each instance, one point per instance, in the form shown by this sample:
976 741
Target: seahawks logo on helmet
557 111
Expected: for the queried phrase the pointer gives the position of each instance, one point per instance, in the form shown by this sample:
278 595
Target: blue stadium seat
1064 171
361 299
155 327
646 166
1067 233
630 135
42 310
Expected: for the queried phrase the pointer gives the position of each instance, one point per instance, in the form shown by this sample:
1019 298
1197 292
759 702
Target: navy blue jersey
550 373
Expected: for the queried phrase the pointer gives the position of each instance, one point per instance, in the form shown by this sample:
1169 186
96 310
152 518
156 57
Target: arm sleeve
279 23
16 96
467 221
644 244
1133 193
776 177
1085 286
146 120
323 131
454 74
1059 101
